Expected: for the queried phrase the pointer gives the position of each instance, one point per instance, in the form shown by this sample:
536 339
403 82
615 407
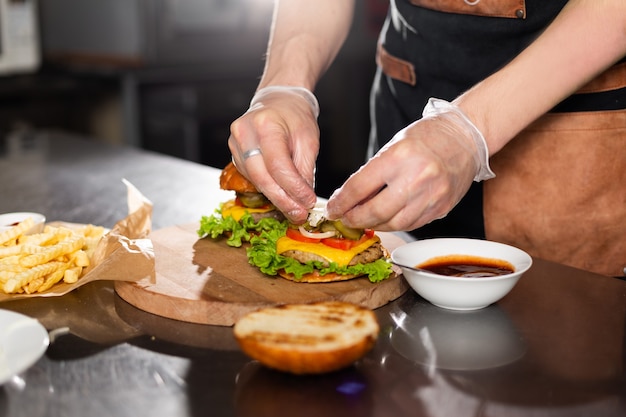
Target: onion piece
316 235
316 214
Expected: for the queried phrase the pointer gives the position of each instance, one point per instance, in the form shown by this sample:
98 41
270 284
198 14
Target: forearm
586 38
305 38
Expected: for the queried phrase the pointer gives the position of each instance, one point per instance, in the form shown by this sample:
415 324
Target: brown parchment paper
125 252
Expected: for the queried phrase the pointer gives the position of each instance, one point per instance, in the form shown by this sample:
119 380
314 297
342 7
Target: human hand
418 177
275 145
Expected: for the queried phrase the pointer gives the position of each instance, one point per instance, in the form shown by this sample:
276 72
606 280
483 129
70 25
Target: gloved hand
417 177
275 145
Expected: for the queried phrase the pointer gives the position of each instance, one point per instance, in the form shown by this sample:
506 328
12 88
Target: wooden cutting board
208 282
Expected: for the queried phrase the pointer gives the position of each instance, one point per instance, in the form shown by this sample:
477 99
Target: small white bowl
9 220
460 293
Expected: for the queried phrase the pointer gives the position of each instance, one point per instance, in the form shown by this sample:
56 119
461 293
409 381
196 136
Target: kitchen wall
170 76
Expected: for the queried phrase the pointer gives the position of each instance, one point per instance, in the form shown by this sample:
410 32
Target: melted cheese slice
339 256
229 208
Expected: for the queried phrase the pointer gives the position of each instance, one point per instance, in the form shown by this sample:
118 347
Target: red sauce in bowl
467 266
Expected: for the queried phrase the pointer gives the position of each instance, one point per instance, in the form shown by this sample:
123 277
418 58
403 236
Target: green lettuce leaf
238 232
262 254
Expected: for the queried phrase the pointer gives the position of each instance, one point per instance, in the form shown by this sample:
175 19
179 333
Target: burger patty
275 214
370 254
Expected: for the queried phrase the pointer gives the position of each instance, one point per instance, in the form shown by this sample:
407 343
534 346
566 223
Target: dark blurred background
171 75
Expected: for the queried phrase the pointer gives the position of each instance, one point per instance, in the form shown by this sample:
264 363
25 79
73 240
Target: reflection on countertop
456 340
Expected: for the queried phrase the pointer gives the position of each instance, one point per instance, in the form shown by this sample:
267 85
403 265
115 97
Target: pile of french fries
31 263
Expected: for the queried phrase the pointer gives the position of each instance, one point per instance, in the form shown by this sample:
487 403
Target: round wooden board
207 282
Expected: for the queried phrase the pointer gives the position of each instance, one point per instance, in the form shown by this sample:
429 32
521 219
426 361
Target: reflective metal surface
553 347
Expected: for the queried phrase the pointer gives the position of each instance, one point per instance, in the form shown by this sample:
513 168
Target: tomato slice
340 242
346 244
296 235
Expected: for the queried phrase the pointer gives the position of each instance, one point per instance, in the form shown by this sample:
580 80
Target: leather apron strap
515 9
404 71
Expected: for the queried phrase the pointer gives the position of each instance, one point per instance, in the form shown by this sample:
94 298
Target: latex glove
417 177
282 123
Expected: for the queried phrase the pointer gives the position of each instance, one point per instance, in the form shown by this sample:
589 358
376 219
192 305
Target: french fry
81 258
34 285
16 230
71 275
62 248
22 279
8 273
36 262
38 239
50 280
8 251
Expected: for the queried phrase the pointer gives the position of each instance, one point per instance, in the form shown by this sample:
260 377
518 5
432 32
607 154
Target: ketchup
467 266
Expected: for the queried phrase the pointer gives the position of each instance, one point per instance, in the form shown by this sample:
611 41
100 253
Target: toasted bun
315 276
308 338
231 179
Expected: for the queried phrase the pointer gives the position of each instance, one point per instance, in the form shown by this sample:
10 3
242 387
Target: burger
246 215
319 250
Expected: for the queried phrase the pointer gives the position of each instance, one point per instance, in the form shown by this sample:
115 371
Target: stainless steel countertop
553 347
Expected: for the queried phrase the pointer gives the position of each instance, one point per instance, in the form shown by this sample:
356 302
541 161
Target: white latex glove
417 177
275 145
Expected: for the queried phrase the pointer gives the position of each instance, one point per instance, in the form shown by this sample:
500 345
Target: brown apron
560 186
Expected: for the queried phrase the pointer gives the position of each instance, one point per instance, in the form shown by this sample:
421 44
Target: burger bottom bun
308 338
316 277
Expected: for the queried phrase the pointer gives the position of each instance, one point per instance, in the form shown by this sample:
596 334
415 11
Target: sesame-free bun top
231 179
308 338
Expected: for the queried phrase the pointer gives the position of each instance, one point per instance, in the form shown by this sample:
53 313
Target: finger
352 192
388 195
292 152
265 183
384 212
254 168
291 162
242 140
380 211
284 168
358 188
304 159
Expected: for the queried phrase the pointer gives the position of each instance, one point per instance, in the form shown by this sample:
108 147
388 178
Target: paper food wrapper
125 253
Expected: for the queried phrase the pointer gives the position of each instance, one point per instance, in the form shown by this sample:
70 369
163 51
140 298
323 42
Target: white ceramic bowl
9 220
459 293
